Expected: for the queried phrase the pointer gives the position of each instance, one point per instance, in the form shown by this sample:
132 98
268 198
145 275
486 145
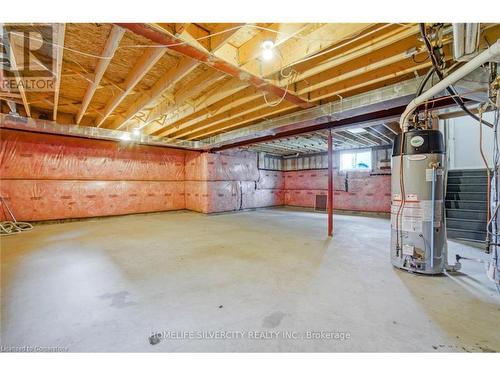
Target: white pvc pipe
488 55
458 40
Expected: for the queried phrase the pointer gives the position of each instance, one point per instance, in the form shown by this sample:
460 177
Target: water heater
418 231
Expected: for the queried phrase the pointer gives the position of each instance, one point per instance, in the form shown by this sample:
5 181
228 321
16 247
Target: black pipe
451 90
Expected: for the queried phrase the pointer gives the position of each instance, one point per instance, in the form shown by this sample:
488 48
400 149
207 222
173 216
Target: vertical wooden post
330 183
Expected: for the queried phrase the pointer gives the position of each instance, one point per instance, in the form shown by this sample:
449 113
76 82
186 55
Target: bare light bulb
267 49
267 54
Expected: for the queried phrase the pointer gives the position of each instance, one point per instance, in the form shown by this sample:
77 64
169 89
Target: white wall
462 135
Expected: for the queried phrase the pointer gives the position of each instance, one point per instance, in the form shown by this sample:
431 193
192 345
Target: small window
360 160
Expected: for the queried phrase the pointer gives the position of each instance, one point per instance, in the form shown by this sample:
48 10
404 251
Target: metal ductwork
465 40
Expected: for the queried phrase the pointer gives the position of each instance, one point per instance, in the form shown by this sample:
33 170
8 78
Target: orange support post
330 183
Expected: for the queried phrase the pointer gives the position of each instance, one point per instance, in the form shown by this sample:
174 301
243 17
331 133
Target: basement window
356 160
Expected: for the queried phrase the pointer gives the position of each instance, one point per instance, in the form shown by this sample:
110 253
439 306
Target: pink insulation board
302 198
221 167
316 179
56 177
365 192
254 198
212 196
271 180
45 156
48 177
32 200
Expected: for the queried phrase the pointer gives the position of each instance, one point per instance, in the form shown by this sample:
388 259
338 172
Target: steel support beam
330 183
371 117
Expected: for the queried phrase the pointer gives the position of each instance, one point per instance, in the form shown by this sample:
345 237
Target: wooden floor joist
193 81
139 70
212 61
107 54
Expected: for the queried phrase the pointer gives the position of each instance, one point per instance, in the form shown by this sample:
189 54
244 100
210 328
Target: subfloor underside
265 280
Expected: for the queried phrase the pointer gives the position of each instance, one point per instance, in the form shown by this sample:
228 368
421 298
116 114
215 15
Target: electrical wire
437 66
10 227
290 76
235 28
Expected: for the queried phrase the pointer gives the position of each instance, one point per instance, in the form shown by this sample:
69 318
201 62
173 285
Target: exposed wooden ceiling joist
211 60
318 30
181 104
107 54
139 70
59 48
227 89
404 33
174 75
14 52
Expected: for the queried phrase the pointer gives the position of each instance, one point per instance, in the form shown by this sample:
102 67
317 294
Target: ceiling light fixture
267 49
356 130
125 137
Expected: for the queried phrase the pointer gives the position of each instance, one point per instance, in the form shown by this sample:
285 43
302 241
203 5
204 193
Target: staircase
466 206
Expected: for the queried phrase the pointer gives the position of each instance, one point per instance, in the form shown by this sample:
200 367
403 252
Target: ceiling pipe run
491 54
213 61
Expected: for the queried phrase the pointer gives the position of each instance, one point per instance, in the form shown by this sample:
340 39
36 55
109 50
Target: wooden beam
224 32
61 29
335 77
321 38
214 62
279 33
287 45
218 93
14 67
226 125
218 111
107 54
12 106
217 42
328 92
387 39
199 37
172 107
140 69
166 82
209 122
219 45
243 119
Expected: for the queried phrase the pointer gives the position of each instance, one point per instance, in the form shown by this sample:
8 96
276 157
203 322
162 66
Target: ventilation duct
465 40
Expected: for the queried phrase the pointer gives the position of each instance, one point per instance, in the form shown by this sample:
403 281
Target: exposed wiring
235 28
292 74
10 227
421 61
438 65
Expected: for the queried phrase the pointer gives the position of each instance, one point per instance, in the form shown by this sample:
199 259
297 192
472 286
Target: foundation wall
230 181
45 177
353 191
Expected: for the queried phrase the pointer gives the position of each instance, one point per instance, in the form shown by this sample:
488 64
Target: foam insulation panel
56 177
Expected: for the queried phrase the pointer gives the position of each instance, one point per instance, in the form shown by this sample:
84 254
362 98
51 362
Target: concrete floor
271 275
